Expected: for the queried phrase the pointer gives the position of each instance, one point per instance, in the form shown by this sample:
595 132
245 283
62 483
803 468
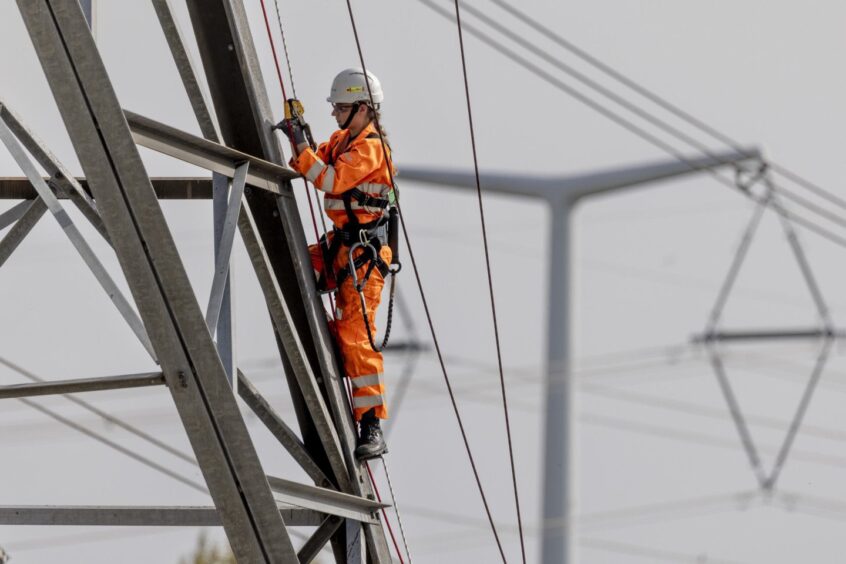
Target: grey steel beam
280 315
204 153
166 188
327 501
82 385
21 229
283 433
243 110
224 246
97 269
185 67
132 516
224 330
157 278
60 177
318 539
13 214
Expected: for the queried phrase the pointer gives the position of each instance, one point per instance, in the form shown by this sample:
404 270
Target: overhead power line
637 130
659 100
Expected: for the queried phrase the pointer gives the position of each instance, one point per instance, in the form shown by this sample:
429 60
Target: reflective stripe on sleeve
315 170
368 401
328 179
362 381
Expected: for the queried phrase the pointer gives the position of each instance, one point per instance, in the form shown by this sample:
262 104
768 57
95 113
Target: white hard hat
349 87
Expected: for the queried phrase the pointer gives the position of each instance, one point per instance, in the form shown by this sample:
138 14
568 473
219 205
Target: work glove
293 130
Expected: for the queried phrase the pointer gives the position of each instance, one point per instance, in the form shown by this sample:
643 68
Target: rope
396 508
388 323
348 387
425 302
290 138
490 281
385 515
285 48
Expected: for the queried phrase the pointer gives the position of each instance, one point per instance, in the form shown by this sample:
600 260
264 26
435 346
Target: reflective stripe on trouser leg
361 362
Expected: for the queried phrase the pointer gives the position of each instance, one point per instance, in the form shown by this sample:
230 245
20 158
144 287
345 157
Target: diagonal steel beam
59 175
319 538
224 252
35 209
13 214
97 269
277 427
293 348
157 278
185 67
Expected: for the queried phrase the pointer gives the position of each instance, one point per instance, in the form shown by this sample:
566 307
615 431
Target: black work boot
371 443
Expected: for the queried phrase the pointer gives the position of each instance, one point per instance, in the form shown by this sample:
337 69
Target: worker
351 169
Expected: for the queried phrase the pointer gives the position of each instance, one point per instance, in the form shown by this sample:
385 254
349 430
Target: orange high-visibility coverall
337 167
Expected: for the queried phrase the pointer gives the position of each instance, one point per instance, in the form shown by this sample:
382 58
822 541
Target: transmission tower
253 195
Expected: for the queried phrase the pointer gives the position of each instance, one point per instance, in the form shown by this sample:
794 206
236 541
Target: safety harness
371 237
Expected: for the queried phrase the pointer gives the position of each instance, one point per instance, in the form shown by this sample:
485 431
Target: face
341 113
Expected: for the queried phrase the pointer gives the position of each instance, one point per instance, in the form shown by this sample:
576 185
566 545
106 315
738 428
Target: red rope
290 138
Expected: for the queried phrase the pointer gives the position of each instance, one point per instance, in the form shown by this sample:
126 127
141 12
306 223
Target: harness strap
348 236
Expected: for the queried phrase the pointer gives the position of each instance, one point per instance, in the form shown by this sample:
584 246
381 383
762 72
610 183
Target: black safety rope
425 303
490 281
359 287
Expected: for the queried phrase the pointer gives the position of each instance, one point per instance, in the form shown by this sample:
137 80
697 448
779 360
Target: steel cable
659 100
426 304
640 132
490 279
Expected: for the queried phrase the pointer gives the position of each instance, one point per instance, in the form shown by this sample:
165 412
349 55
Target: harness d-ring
353 270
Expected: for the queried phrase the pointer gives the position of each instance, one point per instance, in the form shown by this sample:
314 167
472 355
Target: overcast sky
653 431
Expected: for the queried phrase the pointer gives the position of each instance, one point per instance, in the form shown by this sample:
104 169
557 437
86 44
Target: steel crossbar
133 516
206 154
82 385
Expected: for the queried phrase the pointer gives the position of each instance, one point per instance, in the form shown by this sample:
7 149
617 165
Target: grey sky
653 428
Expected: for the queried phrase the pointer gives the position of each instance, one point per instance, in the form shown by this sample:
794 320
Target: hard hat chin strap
353 111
